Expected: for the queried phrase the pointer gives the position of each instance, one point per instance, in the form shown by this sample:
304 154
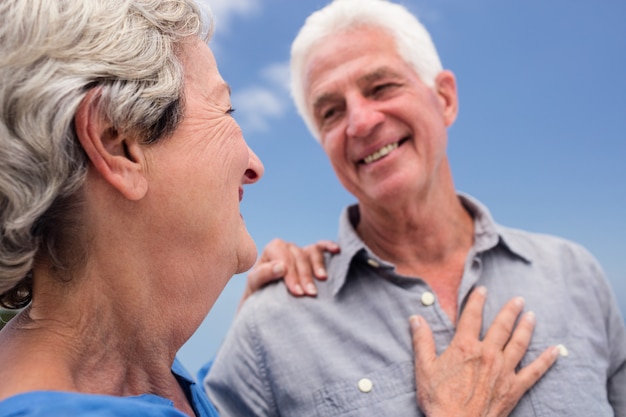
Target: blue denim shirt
348 352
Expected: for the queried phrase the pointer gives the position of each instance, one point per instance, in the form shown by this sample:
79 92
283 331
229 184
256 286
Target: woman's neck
78 337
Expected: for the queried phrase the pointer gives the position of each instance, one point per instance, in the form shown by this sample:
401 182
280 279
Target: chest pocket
576 385
387 392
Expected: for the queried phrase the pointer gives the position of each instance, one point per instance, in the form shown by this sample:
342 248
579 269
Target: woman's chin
247 256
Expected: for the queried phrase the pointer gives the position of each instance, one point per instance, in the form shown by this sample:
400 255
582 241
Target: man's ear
115 157
445 87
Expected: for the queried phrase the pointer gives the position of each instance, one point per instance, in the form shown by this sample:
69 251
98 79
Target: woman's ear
115 157
445 86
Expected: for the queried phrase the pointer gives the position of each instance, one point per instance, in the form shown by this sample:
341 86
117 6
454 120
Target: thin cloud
262 101
277 74
428 14
269 99
224 10
256 105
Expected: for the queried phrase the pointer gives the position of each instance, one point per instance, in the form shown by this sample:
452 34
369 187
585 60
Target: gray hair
53 52
413 42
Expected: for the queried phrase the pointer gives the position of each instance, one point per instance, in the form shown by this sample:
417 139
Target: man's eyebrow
379 73
323 99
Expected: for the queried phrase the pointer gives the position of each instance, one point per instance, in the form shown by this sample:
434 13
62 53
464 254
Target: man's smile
382 152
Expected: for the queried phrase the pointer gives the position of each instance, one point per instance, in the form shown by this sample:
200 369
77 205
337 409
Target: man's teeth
380 153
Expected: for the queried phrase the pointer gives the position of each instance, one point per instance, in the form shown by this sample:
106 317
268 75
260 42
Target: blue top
348 352
58 403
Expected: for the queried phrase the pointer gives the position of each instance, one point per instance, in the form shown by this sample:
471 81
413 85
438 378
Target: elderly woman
121 174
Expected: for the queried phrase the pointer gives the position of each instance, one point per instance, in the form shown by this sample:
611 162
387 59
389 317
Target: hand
296 265
474 377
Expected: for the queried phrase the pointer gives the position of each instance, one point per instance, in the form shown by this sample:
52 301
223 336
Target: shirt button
373 263
428 298
365 385
562 350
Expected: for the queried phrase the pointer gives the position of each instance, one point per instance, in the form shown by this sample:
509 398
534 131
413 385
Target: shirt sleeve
615 328
616 383
236 380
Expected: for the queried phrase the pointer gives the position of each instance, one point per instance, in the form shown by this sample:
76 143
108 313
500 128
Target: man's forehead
369 76
375 74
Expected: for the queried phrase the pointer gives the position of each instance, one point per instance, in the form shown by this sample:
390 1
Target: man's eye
327 114
381 87
230 110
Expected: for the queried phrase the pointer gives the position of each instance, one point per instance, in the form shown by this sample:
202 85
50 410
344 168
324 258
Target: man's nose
363 117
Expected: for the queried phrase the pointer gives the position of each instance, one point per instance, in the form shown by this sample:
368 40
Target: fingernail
298 289
311 289
562 350
482 289
279 269
519 301
320 272
415 322
530 317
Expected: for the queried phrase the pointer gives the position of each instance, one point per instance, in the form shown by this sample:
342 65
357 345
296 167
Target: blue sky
540 138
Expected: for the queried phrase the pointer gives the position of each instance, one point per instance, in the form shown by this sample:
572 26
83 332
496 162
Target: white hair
413 42
52 53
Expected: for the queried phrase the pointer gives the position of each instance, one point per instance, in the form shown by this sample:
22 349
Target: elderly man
368 82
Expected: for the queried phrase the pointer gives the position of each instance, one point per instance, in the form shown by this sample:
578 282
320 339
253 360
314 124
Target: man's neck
429 239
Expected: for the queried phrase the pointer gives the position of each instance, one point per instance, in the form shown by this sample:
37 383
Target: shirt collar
350 244
487 235
181 373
